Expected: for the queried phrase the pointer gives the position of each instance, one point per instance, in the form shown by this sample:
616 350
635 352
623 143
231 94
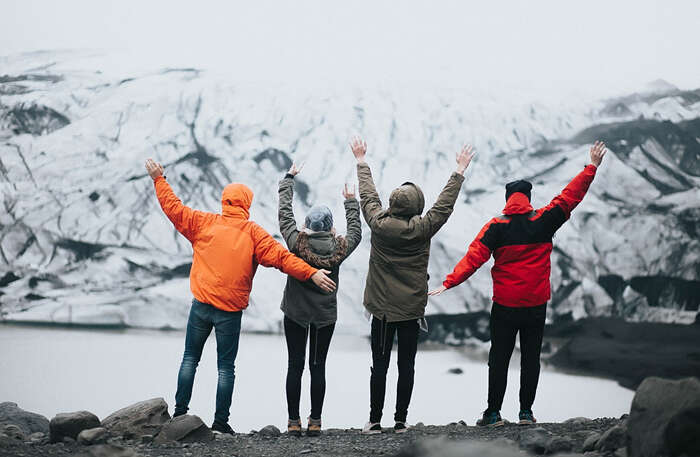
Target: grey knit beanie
319 219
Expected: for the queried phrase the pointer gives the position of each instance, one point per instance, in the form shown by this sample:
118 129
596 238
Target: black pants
506 322
320 340
382 342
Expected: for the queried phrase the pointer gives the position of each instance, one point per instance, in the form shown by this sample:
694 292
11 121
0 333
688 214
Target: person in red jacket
521 243
227 249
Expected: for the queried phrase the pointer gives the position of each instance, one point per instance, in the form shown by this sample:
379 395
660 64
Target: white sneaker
371 428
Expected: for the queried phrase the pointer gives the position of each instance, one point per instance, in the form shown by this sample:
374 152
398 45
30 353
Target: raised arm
270 253
369 198
436 216
352 220
478 253
559 209
185 219
285 212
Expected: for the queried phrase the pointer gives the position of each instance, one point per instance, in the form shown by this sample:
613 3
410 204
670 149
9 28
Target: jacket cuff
459 177
158 179
289 175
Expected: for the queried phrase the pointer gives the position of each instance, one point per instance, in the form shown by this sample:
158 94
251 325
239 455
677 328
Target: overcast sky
545 43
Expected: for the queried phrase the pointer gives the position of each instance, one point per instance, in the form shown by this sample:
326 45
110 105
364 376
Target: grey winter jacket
397 278
303 302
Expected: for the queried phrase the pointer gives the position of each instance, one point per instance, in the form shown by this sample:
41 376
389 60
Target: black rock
97 435
107 450
142 418
534 440
455 370
71 424
186 428
29 422
661 411
269 430
590 442
613 438
559 444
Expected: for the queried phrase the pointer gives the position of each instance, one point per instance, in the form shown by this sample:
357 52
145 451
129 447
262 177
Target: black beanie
521 186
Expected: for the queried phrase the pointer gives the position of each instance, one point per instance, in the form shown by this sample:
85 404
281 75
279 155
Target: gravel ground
333 442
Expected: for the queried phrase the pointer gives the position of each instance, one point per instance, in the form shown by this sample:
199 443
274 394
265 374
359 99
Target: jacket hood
518 203
406 200
236 199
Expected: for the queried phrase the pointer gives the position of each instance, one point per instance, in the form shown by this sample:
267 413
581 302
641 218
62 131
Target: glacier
83 240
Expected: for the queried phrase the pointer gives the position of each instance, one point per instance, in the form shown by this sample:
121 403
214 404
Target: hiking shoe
372 428
222 428
314 428
294 427
490 419
400 427
526 417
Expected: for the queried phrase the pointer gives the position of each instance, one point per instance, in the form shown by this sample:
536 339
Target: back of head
236 195
319 219
522 186
406 200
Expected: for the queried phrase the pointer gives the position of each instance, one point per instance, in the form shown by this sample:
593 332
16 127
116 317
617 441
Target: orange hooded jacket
227 247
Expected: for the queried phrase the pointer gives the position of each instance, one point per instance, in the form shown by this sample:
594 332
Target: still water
49 370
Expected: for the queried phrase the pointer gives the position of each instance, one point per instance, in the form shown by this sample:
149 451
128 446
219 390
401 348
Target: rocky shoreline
664 420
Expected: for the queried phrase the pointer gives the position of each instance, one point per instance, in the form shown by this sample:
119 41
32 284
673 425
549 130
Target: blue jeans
227 326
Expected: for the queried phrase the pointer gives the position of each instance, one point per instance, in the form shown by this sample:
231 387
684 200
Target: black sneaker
490 419
400 427
526 418
222 428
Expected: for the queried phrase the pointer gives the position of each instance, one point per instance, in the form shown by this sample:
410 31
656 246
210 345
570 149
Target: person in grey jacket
396 290
310 312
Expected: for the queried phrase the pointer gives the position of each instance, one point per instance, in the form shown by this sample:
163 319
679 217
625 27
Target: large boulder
29 422
71 424
142 418
665 418
186 429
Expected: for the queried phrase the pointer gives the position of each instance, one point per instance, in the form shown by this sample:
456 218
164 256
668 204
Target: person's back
396 290
310 313
227 249
521 243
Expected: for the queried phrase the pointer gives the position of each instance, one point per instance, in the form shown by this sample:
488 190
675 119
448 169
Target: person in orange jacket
227 249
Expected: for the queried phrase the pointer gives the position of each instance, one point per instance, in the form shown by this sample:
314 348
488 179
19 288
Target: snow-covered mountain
83 240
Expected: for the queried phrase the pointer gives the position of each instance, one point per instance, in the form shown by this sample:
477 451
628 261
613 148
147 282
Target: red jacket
227 247
521 243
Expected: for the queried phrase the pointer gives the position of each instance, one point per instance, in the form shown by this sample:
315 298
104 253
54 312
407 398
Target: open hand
154 169
359 148
464 158
437 291
347 193
598 151
321 279
294 170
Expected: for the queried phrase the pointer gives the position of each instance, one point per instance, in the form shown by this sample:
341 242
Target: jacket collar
518 203
235 212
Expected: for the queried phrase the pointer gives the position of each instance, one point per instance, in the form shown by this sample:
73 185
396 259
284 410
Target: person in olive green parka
396 290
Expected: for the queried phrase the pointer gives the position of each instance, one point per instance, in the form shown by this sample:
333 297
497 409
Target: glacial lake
52 370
